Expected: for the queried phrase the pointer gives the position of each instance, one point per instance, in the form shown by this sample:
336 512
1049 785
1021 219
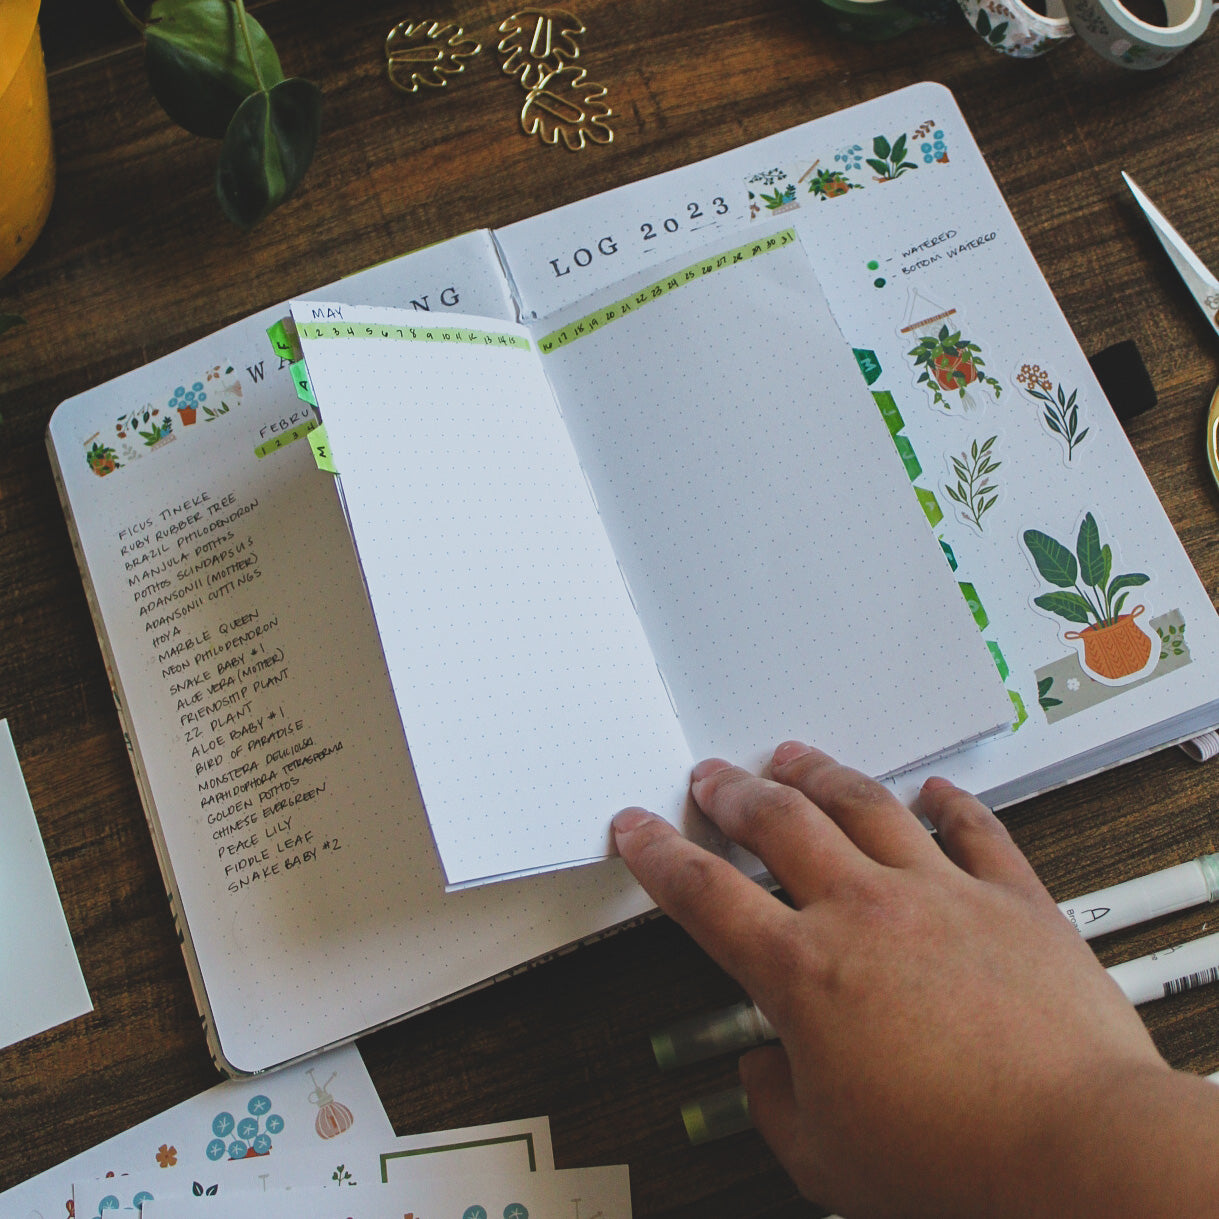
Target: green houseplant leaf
198 64
1091 556
1066 605
1054 561
1132 580
267 149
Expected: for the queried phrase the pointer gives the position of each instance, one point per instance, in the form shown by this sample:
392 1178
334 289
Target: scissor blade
1202 284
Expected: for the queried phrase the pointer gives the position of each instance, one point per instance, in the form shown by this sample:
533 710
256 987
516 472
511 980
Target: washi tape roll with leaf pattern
1158 33
1013 28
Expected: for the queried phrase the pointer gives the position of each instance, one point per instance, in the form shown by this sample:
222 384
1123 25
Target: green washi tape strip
611 313
413 334
284 340
300 375
319 442
285 438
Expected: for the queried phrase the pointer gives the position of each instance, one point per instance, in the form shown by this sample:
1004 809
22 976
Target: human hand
950 1045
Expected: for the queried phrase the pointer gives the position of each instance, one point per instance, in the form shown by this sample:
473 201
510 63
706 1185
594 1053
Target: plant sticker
1059 407
830 183
102 458
244 1138
930 142
1113 647
148 427
110 1204
947 361
889 160
972 487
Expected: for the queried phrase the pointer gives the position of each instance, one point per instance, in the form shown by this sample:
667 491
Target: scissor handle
1212 437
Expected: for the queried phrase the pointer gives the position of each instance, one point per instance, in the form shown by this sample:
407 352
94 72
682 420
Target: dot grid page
781 568
531 703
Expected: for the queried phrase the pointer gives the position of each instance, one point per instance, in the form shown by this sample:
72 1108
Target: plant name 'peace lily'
215 72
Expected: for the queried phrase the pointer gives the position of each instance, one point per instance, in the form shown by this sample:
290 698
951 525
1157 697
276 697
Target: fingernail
937 783
789 751
706 768
630 819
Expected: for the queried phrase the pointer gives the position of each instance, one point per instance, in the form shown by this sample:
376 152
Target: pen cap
1210 870
709 1034
714 1116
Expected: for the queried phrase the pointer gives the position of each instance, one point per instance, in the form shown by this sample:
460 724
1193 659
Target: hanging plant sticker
1114 647
971 486
948 362
1059 407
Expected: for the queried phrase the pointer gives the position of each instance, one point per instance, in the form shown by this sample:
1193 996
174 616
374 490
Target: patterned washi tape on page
1115 33
1014 28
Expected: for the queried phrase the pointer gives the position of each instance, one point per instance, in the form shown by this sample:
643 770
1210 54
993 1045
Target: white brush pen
1144 897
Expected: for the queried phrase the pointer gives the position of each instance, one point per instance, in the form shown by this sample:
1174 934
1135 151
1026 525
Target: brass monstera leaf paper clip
427 53
536 41
561 103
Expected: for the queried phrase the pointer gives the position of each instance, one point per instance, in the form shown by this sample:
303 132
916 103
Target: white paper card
40 980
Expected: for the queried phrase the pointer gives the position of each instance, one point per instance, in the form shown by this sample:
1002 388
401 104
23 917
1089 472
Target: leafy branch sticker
974 492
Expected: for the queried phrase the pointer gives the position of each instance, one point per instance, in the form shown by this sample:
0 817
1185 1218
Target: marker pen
1171 971
711 1033
723 1113
1145 897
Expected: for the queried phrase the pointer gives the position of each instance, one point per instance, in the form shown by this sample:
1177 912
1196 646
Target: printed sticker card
292 1126
499 1148
573 1193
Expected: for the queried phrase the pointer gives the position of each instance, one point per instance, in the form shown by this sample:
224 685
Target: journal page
251 686
780 566
528 693
1018 463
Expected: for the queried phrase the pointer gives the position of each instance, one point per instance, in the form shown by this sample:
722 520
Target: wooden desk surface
137 261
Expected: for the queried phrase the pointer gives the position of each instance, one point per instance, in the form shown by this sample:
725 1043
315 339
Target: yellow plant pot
27 164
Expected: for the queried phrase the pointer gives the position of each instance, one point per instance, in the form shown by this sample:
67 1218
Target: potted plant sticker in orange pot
1115 647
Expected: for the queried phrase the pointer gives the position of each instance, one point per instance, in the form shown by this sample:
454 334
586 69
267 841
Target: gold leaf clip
565 105
427 53
538 41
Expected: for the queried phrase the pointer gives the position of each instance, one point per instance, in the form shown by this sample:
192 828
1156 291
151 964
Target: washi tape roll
1161 31
1014 28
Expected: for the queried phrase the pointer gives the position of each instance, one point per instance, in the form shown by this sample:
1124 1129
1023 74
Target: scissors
1204 288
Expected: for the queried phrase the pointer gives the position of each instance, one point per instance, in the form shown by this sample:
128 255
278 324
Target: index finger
732 918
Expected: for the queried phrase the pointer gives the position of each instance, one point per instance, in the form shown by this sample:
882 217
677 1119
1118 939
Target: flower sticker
167 1156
